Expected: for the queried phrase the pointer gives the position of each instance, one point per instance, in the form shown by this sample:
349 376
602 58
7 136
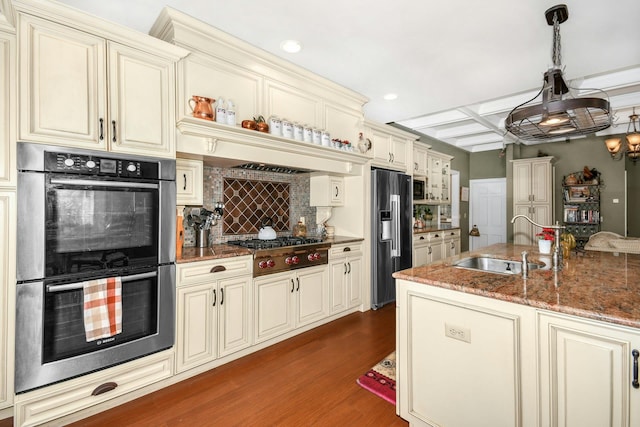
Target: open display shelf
581 205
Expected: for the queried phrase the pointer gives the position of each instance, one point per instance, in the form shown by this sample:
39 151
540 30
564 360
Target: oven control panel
94 165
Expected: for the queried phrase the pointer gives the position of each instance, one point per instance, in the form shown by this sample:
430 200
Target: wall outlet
457 333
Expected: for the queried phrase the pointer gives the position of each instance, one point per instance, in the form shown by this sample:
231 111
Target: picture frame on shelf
579 193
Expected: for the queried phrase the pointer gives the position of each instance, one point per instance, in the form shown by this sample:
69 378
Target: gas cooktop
279 242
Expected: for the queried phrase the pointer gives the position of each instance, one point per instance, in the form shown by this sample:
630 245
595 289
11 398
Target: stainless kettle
266 231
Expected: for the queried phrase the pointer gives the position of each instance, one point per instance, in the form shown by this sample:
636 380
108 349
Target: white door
488 211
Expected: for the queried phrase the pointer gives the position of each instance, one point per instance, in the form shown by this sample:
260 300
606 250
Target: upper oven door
73 225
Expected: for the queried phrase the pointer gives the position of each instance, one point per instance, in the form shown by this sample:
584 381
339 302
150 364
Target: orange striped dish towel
102 308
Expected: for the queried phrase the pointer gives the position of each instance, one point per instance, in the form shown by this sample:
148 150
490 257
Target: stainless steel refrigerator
391 232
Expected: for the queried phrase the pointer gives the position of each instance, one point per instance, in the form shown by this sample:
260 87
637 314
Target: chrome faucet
557 252
525 264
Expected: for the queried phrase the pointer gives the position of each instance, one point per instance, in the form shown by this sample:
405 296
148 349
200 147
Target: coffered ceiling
457 68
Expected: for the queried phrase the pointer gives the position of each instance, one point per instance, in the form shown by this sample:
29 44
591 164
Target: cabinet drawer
420 239
451 234
342 250
201 271
74 395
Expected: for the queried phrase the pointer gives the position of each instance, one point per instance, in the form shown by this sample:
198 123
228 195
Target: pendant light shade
558 113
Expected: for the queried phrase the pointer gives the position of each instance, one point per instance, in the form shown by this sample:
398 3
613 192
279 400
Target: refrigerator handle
395 225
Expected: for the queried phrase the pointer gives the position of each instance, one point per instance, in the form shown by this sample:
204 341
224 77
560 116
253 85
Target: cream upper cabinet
391 148
326 190
7 109
532 196
532 180
438 177
189 183
80 89
420 159
214 306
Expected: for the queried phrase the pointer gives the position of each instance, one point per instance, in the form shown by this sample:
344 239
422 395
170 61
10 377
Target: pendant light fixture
559 114
614 145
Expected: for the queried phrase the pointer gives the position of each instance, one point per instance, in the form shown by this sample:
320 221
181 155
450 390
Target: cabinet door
585 374
189 182
234 314
196 326
521 182
381 147
273 299
400 152
7 110
7 294
312 295
354 284
446 181
451 247
338 285
541 182
141 102
457 356
419 161
62 85
337 191
522 230
420 255
435 251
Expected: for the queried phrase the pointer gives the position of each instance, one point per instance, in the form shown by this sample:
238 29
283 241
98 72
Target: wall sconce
614 145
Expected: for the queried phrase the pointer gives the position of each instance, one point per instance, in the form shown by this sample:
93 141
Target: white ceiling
458 67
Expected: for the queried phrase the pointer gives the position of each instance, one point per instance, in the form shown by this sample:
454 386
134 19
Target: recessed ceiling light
291 46
390 96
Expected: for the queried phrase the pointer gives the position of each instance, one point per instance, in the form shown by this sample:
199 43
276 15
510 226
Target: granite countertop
212 252
224 250
602 286
434 228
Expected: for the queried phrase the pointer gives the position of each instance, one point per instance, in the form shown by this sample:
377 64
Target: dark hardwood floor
308 380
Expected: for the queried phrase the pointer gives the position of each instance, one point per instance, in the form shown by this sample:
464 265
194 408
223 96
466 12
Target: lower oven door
51 344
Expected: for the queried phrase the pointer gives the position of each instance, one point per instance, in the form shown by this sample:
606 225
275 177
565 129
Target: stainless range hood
262 167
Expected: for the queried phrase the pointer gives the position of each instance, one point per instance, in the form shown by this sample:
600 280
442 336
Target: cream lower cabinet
7 294
459 364
451 242
345 280
586 373
427 248
285 301
189 184
214 306
464 360
79 89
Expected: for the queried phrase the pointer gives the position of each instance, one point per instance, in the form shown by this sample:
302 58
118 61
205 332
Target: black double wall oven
84 216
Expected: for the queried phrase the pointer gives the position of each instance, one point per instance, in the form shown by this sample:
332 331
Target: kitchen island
557 348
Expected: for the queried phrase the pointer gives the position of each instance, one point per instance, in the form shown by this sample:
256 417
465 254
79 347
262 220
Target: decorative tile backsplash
214 178
248 203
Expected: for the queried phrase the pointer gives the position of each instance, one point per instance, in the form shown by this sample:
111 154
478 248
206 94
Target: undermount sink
495 265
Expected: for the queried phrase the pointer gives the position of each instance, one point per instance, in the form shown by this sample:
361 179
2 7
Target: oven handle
84 182
79 285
